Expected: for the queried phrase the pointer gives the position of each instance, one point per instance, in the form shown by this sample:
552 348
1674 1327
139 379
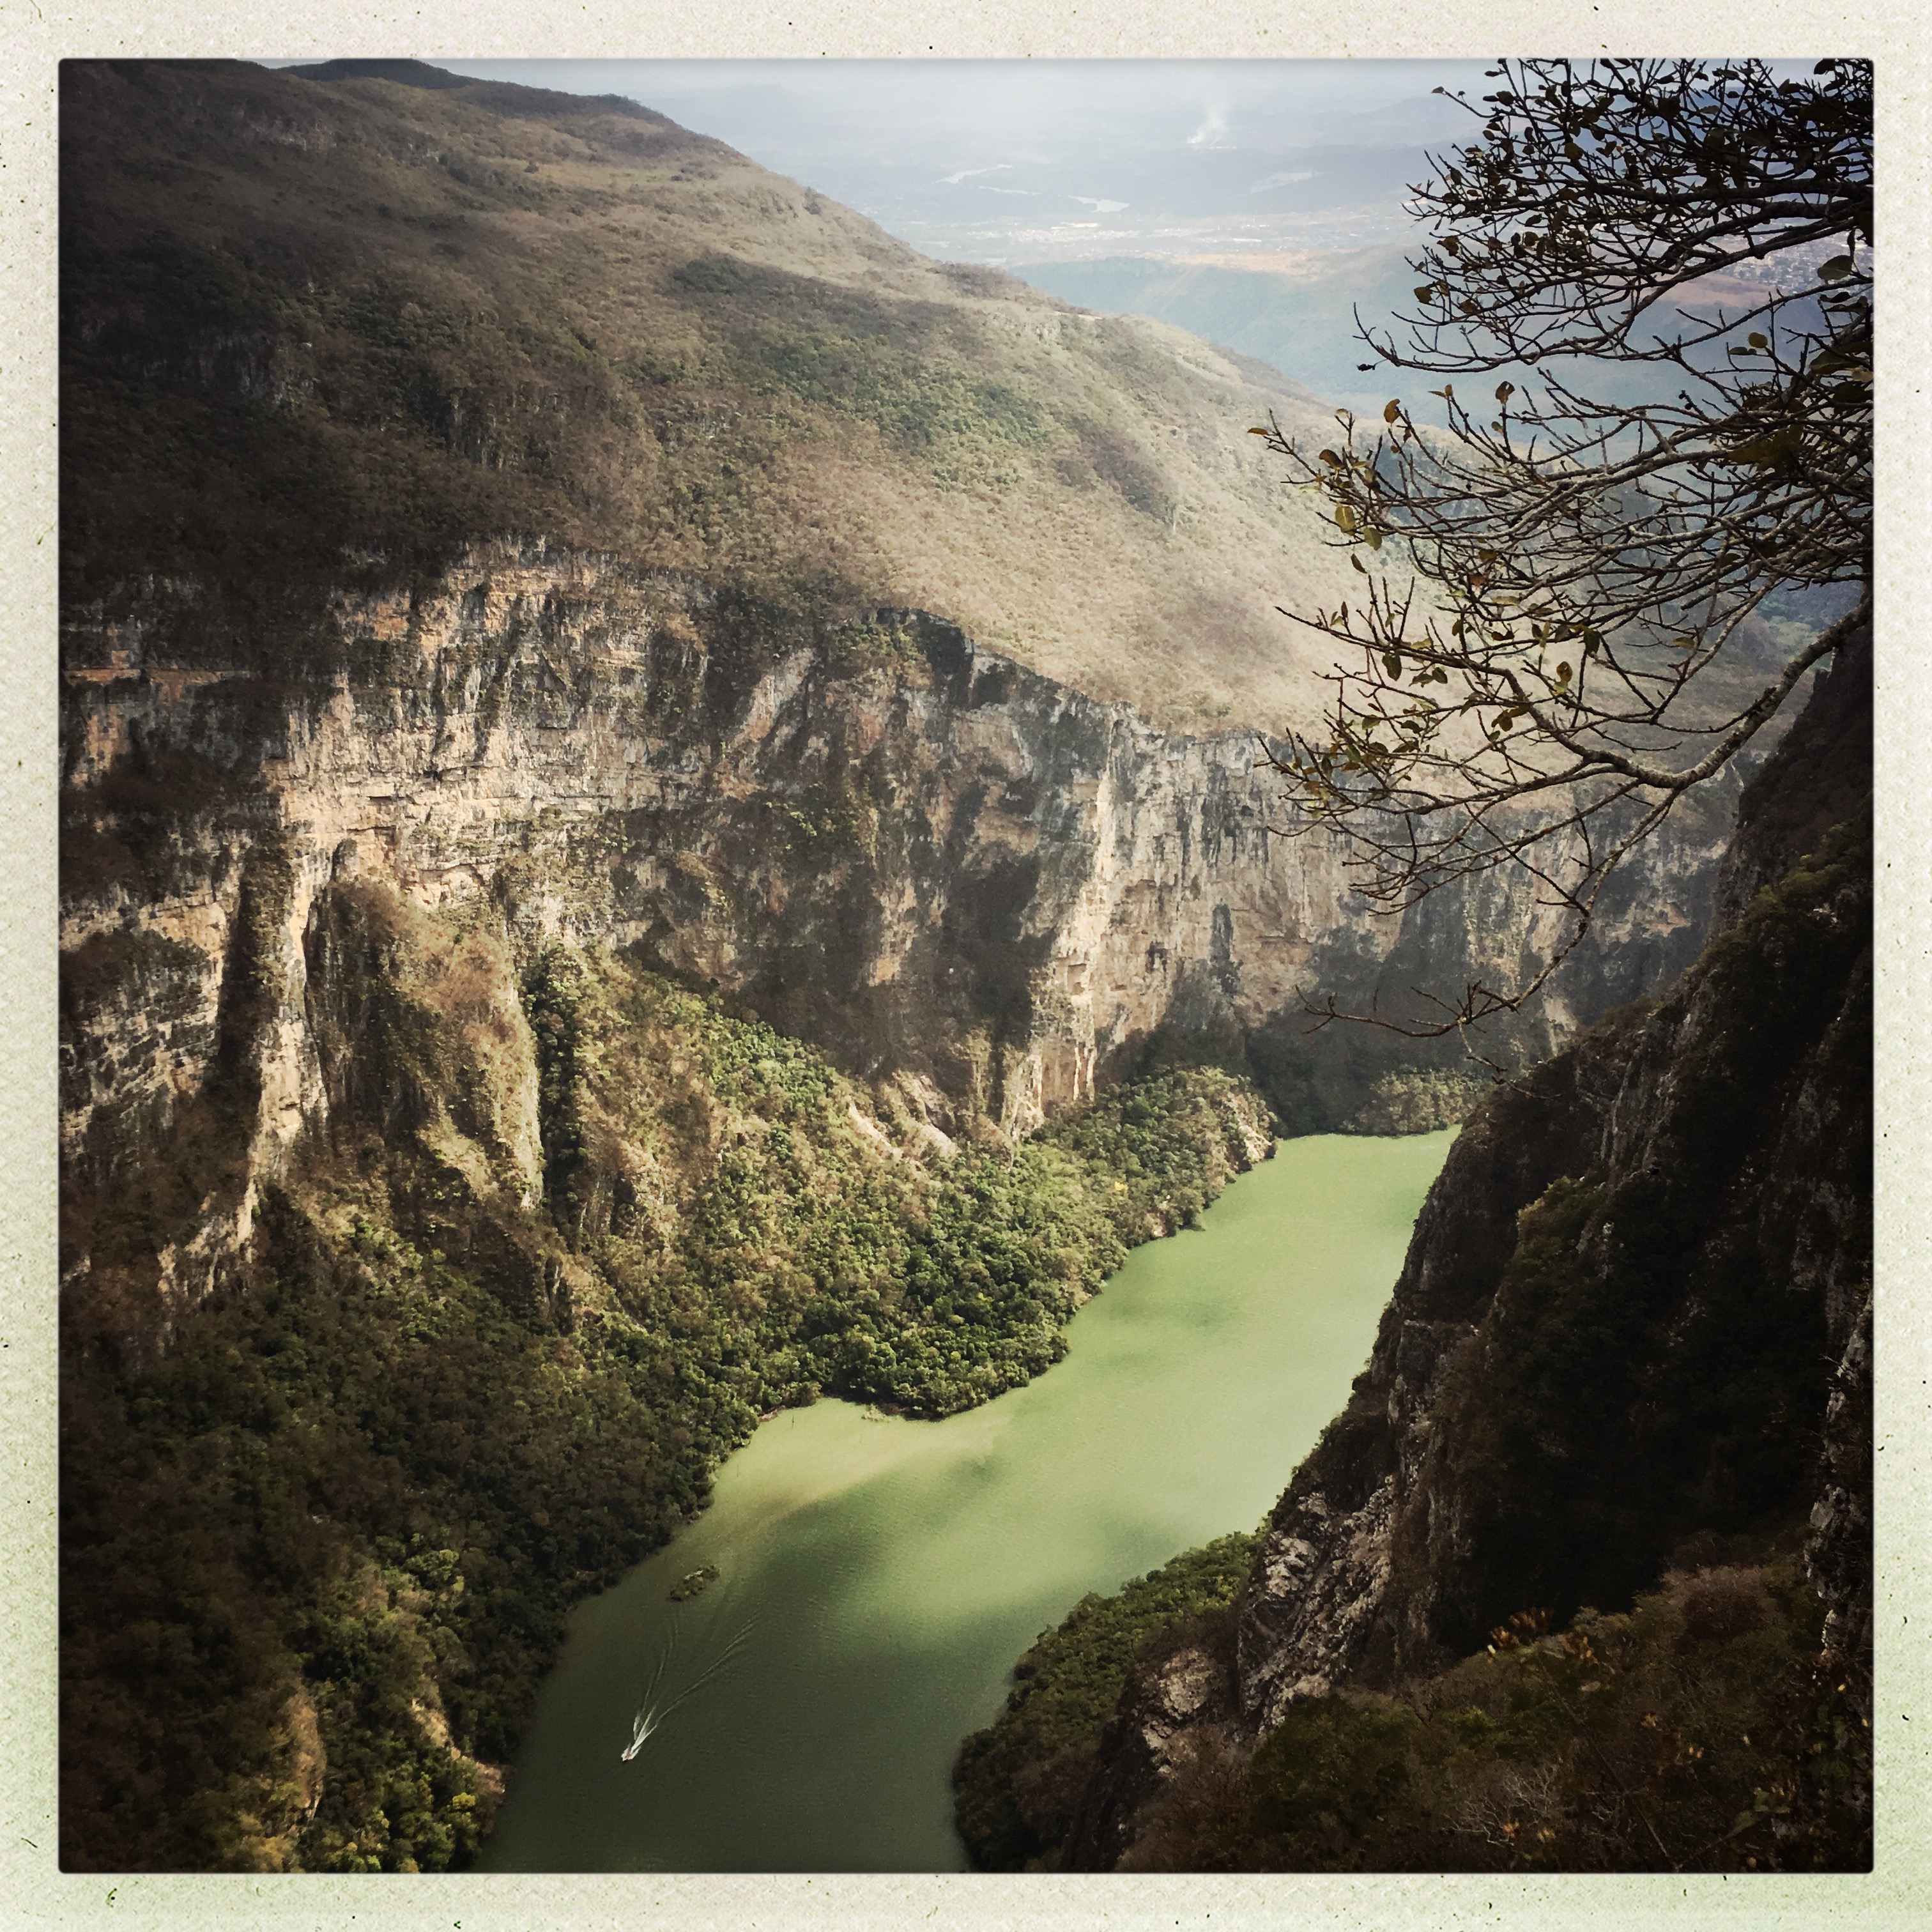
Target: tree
1668 262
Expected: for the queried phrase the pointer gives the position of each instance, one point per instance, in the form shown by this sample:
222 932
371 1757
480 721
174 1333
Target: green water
883 1575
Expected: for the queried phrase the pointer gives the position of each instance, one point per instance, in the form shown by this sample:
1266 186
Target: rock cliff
1632 1330
1622 1304
483 491
980 891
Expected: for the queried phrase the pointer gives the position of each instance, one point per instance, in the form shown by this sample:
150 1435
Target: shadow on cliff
1619 1408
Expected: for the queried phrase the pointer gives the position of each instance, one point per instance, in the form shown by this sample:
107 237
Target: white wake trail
656 1709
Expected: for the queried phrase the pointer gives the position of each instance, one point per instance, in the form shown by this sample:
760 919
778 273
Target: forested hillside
570 1230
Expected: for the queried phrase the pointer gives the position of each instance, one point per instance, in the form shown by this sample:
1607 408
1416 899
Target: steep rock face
1559 1393
1178 1709
978 889
1650 1362
1634 1317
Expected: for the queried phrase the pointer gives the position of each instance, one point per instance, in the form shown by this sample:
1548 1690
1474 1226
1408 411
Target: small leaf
1758 339
1504 390
1358 563
1422 295
1329 456
1258 432
1345 517
1373 539
1392 663
1392 409
1767 452
1836 269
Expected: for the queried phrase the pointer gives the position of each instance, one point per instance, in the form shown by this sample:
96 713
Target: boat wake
665 1691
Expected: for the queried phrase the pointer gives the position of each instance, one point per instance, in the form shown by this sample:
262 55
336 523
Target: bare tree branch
1554 625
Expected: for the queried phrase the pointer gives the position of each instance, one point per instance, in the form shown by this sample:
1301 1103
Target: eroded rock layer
973 885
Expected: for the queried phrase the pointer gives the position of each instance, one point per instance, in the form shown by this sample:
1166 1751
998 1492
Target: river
877 1578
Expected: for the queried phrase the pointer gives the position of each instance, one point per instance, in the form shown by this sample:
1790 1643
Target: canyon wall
1632 1332
978 889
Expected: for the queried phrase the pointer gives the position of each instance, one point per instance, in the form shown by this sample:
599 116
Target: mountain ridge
480 311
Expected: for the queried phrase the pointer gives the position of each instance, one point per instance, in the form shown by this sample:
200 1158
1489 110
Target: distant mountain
367 313
1297 315
1300 314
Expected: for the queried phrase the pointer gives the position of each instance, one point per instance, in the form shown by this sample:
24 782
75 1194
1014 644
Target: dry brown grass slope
321 330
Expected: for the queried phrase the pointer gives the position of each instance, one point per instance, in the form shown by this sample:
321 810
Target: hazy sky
1035 160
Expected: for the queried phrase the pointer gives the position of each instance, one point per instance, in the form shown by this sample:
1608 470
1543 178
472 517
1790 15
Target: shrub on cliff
1675 1738
1017 1783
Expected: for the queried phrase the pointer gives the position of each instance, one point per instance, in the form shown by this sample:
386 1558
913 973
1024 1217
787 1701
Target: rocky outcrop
1178 1707
972 885
1531 1429
1823 778
1648 1362
1538 1424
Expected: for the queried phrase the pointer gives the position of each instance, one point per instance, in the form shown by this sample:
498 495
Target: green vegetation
693 1583
1016 1782
1418 1101
857 1269
1693 1734
322 1534
577 1229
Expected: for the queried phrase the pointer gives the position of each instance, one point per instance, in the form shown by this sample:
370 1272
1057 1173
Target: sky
1010 162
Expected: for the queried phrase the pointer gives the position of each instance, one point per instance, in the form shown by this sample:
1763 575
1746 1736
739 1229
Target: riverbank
888 1572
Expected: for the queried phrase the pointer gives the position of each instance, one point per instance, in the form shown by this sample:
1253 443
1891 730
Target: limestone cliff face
1558 1393
977 888
1634 1316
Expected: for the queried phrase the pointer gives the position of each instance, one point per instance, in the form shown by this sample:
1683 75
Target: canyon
667 809
1631 1342
980 892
